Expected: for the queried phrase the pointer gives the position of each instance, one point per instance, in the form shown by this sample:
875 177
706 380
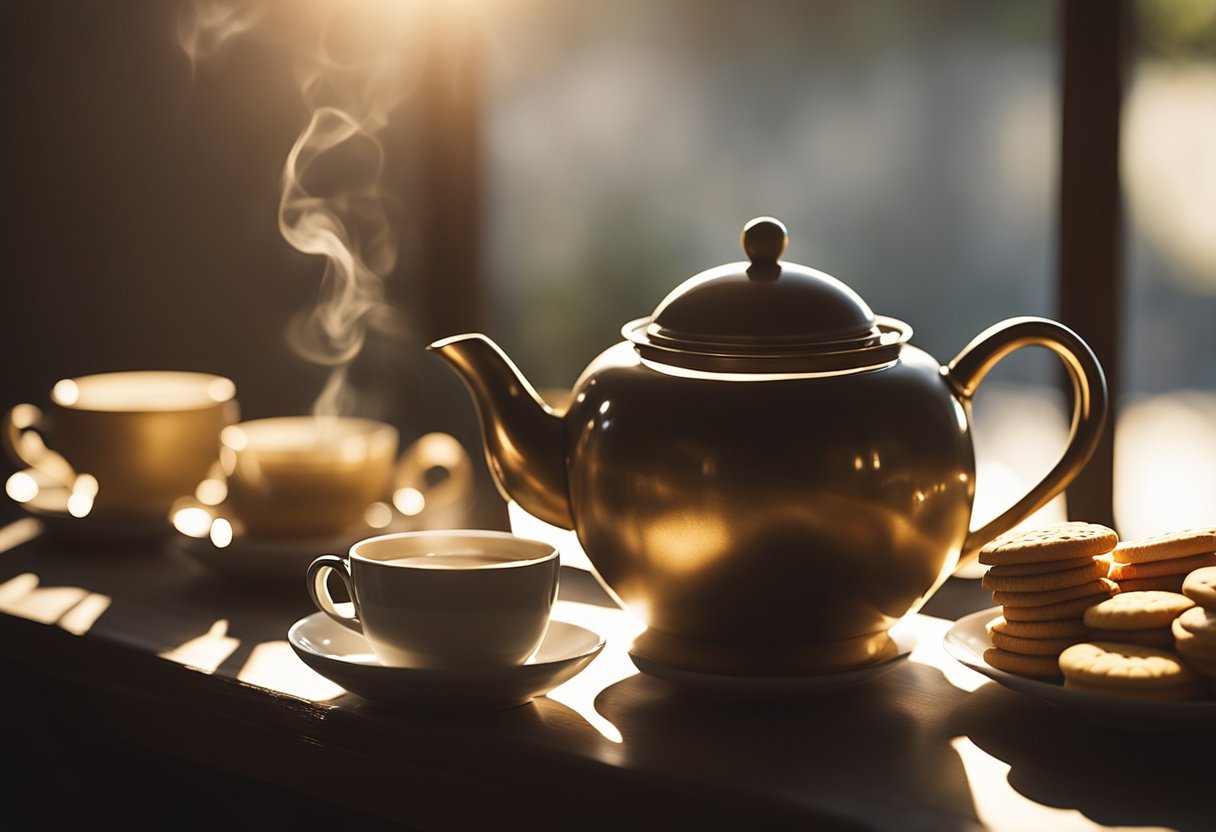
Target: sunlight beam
273 665
206 652
611 666
19 533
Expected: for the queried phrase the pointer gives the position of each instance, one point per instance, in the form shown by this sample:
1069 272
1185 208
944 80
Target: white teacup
443 599
139 439
303 476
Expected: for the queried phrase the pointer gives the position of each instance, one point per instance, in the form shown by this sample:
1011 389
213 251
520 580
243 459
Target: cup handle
24 437
965 372
318 589
429 452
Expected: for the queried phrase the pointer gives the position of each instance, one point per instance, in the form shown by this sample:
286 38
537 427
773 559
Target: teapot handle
965 372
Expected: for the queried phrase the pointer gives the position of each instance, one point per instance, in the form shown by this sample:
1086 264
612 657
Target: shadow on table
911 750
876 754
1112 775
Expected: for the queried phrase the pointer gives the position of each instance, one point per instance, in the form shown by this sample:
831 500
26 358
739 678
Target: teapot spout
525 441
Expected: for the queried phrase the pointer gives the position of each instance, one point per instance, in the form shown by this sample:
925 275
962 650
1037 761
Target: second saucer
207 535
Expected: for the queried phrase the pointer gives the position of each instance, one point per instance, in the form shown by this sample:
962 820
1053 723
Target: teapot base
767 660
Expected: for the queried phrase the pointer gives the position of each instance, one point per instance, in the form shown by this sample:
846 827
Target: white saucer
728 688
261 558
967 640
50 506
270 558
344 657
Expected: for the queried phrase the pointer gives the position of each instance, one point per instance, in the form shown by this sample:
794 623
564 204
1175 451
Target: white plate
729 688
967 640
344 657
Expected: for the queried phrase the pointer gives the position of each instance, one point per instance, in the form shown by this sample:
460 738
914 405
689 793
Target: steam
354 63
205 27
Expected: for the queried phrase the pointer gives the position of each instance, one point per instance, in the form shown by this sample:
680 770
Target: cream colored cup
305 476
443 599
126 443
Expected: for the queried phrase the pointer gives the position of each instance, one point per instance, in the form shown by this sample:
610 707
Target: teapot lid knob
764 240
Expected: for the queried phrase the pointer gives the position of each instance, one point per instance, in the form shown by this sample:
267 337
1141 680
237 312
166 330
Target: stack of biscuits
1195 629
1045 579
1162 562
1139 617
1132 653
1150 643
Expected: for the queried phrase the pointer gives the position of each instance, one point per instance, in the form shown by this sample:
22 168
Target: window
1165 440
912 150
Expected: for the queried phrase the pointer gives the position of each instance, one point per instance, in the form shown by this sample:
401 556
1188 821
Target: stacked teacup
119 446
305 476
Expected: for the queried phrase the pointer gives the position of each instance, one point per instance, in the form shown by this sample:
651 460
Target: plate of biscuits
1078 624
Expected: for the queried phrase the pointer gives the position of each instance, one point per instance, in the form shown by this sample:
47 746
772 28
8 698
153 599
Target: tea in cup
140 439
305 476
443 599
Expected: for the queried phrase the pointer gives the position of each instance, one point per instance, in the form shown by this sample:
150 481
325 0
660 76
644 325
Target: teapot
766 473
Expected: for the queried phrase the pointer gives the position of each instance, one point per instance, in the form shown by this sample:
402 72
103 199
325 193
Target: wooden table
143 686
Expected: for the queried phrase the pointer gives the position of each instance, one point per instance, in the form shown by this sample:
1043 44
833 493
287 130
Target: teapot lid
766 316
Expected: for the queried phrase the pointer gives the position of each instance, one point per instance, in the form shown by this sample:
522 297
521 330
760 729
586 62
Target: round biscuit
1164 583
1118 664
1057 628
1137 610
1174 693
1158 568
1048 580
1043 667
1193 646
1047 597
1166 546
1200 587
1032 646
1054 612
1154 637
1057 541
1201 666
1200 621
1010 570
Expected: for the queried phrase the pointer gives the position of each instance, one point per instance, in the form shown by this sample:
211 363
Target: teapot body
764 471
758 525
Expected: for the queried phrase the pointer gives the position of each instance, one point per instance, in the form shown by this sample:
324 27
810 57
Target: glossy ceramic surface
967 640
344 657
769 500
444 598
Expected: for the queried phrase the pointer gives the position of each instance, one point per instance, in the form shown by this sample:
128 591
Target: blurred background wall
909 146
142 187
